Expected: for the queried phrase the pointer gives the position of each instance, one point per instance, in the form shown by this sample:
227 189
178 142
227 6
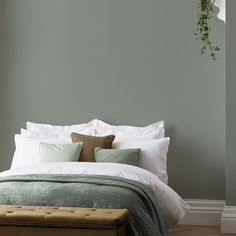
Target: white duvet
172 205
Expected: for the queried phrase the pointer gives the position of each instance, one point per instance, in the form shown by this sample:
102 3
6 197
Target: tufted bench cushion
38 220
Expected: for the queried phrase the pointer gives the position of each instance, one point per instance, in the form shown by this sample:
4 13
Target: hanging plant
203 28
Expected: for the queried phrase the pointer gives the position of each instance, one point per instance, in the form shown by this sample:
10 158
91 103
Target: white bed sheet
172 205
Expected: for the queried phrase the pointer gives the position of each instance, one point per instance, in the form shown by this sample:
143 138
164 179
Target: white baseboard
204 212
211 212
228 220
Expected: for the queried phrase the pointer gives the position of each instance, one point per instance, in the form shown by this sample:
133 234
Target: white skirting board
211 212
228 220
204 212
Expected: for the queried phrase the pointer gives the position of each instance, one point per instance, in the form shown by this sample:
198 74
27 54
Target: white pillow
153 155
102 128
87 128
59 136
151 136
67 136
33 134
27 150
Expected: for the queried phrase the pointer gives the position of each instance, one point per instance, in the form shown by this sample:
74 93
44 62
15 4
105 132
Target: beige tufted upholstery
37 220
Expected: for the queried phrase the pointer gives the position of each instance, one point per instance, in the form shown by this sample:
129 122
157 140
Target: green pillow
123 156
59 152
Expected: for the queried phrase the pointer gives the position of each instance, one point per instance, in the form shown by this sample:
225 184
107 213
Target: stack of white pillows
150 139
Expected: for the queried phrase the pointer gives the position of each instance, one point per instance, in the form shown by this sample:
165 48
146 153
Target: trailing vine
203 28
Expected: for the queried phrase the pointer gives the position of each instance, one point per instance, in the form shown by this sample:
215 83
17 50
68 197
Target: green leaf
203 29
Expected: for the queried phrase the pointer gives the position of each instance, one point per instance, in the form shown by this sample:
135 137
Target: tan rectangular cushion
62 216
62 221
90 142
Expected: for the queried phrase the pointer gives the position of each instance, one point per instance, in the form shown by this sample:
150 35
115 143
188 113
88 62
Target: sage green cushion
59 152
123 156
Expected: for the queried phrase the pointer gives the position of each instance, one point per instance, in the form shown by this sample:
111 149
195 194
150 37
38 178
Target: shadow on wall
181 161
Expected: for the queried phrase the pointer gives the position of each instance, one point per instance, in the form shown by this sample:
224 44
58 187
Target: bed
153 206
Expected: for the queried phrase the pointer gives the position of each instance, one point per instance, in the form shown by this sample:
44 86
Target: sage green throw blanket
90 191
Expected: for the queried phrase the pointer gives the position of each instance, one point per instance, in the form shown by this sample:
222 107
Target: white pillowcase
153 155
134 133
86 128
61 137
97 128
27 150
102 128
66 137
159 133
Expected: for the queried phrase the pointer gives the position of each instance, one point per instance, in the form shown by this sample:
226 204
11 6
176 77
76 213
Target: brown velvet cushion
90 142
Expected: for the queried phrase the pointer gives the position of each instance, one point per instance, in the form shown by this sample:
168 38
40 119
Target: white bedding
172 205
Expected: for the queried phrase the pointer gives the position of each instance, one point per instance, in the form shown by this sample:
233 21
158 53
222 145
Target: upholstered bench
61 221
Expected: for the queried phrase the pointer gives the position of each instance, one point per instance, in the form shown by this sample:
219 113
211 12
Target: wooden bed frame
62 221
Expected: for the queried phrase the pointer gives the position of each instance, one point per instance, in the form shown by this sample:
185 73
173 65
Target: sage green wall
2 78
231 104
124 61
1 61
